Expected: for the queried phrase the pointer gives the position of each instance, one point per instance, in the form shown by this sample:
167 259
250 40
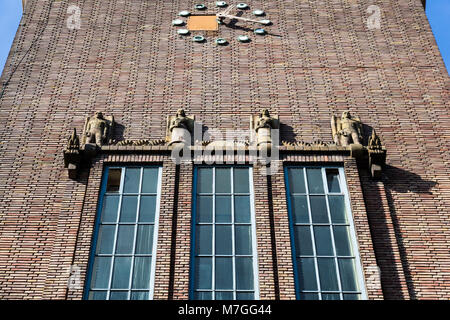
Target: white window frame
254 255
113 255
354 240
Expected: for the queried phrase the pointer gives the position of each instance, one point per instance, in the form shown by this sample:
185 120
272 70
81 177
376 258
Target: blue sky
438 12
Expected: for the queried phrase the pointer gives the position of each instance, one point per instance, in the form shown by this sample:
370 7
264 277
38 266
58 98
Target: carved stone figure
180 128
262 126
265 120
346 130
98 129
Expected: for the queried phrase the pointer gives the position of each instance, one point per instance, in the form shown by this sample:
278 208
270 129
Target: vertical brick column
363 231
182 236
265 237
167 215
86 227
282 236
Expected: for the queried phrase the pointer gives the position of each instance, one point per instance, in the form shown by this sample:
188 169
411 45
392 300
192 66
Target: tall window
123 256
224 262
325 257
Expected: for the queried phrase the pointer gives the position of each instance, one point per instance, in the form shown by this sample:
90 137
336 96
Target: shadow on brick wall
402 181
383 224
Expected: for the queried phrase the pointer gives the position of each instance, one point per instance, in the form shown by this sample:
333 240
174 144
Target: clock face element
207 22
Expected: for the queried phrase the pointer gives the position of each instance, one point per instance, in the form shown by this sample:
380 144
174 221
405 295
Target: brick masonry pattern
128 61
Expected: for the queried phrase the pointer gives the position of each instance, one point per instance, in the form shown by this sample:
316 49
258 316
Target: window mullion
233 253
133 249
213 249
332 233
119 208
311 231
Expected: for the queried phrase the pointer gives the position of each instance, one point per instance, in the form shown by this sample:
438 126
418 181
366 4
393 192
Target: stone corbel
261 126
377 156
180 128
72 155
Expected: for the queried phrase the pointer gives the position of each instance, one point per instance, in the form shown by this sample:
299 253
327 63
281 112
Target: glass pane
297 180
322 237
150 180
242 209
224 295
243 240
203 295
129 208
110 208
204 209
147 209
244 273
118 295
348 274
139 295
307 277
204 184
327 274
113 184
245 296
352 296
224 273
144 241
303 243
241 180
223 180
309 296
97 295
100 273
318 209
300 209
331 296
315 184
223 240
342 240
141 272
337 209
121 273
203 273
223 209
203 239
125 240
131 183
333 180
105 240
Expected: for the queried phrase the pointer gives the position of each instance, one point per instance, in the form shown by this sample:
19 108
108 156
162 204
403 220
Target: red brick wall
128 61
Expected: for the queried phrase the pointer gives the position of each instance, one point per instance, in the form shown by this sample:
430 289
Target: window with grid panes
224 264
325 254
123 255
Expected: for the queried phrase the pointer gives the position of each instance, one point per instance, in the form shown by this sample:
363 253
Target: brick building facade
317 59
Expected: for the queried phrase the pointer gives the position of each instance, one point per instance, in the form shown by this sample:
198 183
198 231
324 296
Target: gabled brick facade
319 59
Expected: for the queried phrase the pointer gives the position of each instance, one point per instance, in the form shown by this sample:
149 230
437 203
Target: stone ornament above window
180 128
98 130
262 126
